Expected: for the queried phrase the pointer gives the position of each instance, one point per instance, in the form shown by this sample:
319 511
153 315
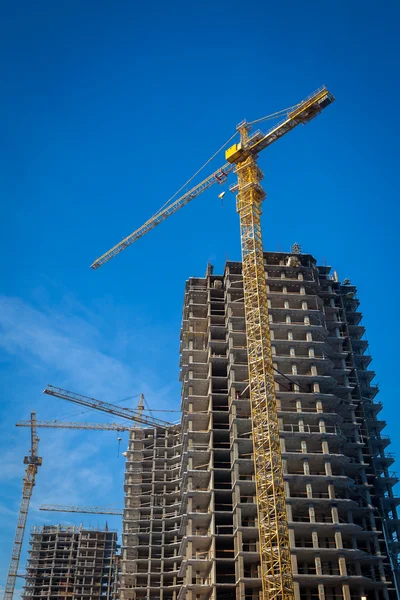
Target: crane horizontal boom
218 176
306 110
302 113
74 425
97 510
112 409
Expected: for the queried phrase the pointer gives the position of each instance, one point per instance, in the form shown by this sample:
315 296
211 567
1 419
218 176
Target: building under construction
190 529
71 562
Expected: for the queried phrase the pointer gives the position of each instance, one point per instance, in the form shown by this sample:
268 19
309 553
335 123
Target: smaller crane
126 413
34 462
94 510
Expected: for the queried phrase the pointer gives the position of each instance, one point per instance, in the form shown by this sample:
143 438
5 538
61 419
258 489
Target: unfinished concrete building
72 562
152 515
192 489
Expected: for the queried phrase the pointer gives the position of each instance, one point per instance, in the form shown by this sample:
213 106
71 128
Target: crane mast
276 571
33 461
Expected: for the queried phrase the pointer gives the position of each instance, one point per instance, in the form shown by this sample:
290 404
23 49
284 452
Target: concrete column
311 512
314 537
318 566
292 541
294 564
240 590
349 516
335 514
346 592
235 449
240 566
321 592
338 539
287 489
342 566
382 572
236 475
296 591
385 591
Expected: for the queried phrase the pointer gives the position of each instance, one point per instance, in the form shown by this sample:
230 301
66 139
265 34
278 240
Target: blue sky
107 108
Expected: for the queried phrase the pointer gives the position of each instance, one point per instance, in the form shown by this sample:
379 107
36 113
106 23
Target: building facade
71 562
152 515
193 487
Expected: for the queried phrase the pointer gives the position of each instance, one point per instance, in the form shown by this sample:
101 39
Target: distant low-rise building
71 562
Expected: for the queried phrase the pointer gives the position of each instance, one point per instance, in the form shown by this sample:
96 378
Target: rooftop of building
46 529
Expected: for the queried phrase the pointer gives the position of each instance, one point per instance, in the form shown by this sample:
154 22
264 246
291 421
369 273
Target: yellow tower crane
33 461
276 572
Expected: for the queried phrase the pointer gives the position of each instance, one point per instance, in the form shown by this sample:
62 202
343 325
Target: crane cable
193 176
275 115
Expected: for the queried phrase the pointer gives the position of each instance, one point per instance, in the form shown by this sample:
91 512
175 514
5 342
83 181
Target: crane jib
304 112
126 413
218 176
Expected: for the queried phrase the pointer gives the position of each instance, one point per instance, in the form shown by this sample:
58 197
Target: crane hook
119 444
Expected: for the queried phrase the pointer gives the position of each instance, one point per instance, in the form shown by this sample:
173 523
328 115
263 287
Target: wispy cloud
10 464
4 510
67 346
67 343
